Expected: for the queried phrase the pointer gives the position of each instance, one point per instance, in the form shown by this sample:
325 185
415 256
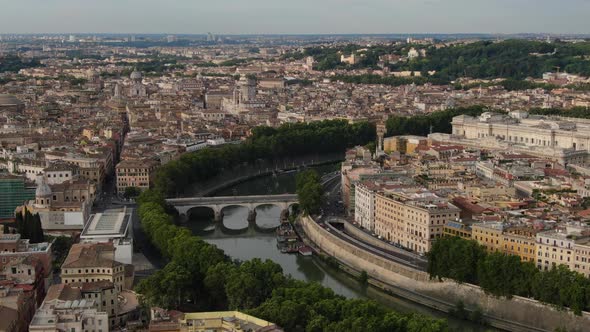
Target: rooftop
9 100
240 320
112 222
91 255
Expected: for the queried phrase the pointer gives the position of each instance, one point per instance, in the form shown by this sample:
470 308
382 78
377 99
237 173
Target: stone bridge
217 204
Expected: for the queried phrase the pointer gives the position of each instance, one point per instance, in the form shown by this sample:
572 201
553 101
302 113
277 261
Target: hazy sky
294 16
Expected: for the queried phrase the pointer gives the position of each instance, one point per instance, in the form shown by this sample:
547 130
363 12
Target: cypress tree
19 222
38 229
26 229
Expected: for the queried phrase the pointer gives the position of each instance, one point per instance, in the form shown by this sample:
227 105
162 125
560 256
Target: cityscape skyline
258 165
304 17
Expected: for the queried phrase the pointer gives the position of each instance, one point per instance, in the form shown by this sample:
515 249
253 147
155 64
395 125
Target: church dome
136 75
43 189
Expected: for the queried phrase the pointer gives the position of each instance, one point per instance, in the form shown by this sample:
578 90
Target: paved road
399 257
333 210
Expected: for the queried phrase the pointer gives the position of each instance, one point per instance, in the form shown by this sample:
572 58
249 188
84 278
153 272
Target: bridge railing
233 199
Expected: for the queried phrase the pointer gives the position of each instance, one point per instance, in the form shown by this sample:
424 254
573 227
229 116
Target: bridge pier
218 215
252 215
284 214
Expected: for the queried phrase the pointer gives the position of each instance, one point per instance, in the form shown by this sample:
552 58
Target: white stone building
556 134
113 226
364 208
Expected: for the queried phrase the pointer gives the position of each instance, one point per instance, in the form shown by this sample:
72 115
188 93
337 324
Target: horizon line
305 34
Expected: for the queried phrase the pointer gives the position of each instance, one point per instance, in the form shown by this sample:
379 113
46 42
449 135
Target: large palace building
566 139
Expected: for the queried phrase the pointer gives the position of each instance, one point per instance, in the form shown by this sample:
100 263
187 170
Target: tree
310 191
131 192
215 281
27 227
5 229
60 247
254 280
37 235
455 258
19 222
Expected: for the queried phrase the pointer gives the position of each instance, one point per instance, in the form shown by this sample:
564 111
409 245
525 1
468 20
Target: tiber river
243 241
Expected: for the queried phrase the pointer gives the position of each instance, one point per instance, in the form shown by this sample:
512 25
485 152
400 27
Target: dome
9 100
90 74
43 189
135 75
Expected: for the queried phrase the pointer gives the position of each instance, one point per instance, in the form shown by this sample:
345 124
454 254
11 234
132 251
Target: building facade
412 220
135 173
90 262
554 248
364 208
518 128
520 241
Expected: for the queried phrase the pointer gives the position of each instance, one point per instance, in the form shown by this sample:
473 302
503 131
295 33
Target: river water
243 240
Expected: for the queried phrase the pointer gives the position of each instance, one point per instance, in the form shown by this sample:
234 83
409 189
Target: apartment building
90 262
520 241
64 309
554 248
457 228
16 310
412 218
135 173
582 256
364 208
13 248
489 235
89 168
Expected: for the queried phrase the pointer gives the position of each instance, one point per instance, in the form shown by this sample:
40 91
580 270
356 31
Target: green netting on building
13 192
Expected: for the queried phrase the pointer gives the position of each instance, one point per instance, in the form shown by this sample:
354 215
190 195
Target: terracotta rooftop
92 286
62 292
91 255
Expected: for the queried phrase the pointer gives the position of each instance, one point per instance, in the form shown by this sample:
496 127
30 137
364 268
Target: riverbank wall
363 236
516 314
217 187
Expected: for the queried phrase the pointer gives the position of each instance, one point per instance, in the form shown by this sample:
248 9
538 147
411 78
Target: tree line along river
243 240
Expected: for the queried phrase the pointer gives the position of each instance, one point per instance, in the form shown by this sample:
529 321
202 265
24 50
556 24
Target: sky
295 16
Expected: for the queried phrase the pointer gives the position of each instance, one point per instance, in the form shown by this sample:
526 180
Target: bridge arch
218 204
200 210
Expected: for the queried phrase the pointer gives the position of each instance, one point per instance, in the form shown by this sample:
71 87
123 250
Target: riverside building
412 218
567 138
